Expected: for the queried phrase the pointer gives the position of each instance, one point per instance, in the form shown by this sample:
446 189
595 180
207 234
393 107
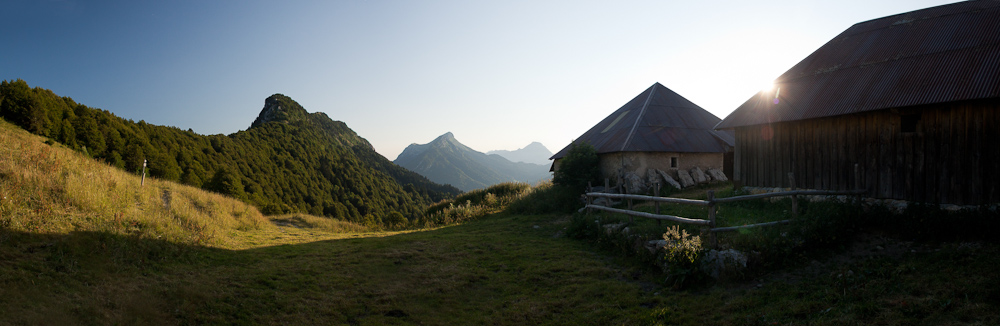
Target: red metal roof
940 54
657 120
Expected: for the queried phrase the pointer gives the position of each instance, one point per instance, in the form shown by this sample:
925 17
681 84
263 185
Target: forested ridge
288 161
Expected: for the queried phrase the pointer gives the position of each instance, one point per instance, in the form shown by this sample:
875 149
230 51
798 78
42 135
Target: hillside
50 189
534 153
288 161
83 243
445 160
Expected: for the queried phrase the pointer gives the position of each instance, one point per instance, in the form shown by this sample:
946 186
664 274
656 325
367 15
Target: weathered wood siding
951 157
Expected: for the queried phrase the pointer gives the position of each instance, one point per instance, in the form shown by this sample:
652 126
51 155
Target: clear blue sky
499 74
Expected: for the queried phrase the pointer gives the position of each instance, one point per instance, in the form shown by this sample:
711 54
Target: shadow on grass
503 270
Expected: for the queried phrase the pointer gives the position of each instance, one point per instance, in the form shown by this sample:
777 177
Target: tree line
304 162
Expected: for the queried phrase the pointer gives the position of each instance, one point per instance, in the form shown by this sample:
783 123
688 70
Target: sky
497 74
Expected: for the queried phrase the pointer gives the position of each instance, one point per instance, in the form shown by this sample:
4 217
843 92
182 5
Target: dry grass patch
51 189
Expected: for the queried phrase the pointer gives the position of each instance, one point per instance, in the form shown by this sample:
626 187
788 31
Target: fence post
631 219
712 241
143 180
607 185
589 201
656 193
795 198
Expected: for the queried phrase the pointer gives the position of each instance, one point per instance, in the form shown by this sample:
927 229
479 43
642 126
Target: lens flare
767 87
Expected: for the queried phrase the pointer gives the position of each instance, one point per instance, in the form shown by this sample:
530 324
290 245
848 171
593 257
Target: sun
767 87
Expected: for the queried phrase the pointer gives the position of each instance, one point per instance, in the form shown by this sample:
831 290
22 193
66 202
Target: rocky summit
280 108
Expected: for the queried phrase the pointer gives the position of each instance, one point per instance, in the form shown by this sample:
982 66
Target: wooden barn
913 99
658 129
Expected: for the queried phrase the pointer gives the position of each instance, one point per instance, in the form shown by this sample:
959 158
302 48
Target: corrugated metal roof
939 54
657 120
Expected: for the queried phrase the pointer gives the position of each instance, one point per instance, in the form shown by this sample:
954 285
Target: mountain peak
446 160
535 153
280 108
448 140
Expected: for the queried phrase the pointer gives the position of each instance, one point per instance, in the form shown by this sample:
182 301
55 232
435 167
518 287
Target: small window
673 162
909 122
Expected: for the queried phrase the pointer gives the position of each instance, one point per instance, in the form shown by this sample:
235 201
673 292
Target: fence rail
651 215
710 222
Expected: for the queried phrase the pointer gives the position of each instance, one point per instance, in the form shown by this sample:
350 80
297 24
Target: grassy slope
110 253
80 242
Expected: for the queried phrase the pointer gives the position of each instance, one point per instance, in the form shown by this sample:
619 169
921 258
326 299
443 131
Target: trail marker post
143 180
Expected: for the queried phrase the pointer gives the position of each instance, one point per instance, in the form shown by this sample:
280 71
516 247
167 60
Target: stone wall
614 164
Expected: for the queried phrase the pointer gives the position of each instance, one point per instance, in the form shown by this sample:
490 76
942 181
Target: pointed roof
657 120
940 54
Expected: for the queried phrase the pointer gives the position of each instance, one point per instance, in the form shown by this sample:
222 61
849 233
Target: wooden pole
607 185
795 198
630 218
589 202
143 180
656 190
712 241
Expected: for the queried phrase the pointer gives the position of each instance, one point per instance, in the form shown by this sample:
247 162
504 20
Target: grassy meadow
83 243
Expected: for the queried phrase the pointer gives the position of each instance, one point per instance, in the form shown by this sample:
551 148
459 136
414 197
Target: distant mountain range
447 161
289 160
534 153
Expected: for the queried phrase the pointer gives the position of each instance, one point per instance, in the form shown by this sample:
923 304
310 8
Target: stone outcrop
717 175
698 175
722 263
610 229
279 108
670 180
652 178
634 184
685 178
655 245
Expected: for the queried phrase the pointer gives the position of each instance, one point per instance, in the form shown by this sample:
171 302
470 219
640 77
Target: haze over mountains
534 153
446 160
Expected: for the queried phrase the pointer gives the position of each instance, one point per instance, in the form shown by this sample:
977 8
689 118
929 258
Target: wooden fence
709 224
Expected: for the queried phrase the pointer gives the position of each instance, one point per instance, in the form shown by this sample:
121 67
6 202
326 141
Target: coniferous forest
288 161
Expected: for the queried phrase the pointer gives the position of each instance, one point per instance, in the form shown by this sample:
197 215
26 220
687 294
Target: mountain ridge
446 160
535 153
288 161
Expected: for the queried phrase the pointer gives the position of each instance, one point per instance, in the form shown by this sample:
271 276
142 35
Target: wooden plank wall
953 157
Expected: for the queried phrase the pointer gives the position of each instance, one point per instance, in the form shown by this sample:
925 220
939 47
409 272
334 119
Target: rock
652 178
718 264
685 178
655 245
698 175
670 180
634 184
613 228
273 111
603 201
717 175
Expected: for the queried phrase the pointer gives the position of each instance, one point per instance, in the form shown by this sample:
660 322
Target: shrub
682 255
546 198
579 167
